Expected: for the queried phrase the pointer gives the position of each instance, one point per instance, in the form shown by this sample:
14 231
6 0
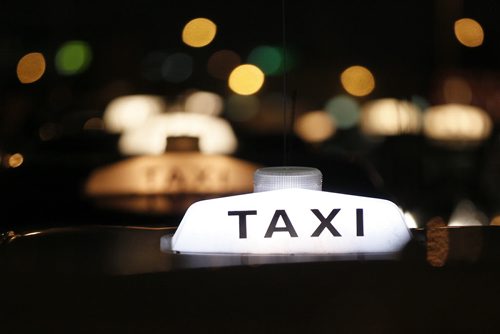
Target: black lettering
202 176
360 231
176 180
288 225
325 223
242 220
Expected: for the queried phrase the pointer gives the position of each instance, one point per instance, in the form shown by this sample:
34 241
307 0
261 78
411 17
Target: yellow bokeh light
469 32
357 80
199 32
246 79
315 126
15 160
31 67
495 221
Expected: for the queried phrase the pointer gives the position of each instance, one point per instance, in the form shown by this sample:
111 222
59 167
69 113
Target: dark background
409 46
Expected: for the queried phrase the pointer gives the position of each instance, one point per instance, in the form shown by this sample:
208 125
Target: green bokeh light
270 59
345 110
73 57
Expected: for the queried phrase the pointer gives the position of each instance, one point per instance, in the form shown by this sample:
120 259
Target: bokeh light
495 221
344 109
48 131
268 58
390 117
357 80
469 32
15 160
215 134
31 67
127 112
456 122
177 67
315 126
466 213
204 103
221 63
410 220
73 57
240 108
199 32
246 79
457 90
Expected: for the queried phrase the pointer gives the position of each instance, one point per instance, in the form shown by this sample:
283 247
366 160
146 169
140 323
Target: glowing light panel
172 173
290 221
410 220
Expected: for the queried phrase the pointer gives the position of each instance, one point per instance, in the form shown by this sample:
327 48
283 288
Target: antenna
287 124
285 92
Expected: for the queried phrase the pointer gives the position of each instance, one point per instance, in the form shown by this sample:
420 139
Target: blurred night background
397 100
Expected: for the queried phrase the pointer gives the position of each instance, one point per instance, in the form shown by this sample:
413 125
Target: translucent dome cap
274 178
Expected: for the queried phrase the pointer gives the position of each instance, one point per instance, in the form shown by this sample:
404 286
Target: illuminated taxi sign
290 221
172 173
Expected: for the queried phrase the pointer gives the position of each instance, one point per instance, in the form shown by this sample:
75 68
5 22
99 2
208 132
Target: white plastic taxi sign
291 221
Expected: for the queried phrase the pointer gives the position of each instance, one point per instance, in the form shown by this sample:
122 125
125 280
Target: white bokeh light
204 103
390 117
127 112
457 122
215 134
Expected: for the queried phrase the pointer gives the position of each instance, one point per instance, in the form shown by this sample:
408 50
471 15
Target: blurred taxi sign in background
168 183
173 157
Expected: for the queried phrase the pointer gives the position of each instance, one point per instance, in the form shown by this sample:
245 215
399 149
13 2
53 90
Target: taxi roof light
288 214
274 178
